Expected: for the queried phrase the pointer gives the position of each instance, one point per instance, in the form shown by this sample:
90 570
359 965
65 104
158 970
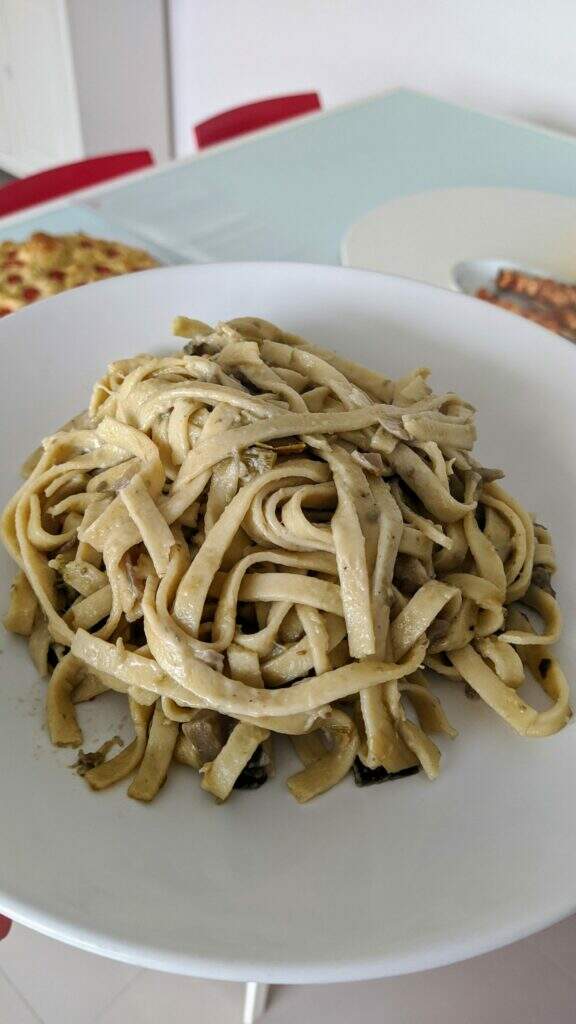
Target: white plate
423 236
360 883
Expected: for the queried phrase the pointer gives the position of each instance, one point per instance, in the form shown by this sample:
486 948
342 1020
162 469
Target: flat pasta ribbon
256 538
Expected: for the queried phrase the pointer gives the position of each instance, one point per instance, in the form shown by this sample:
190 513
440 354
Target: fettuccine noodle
257 537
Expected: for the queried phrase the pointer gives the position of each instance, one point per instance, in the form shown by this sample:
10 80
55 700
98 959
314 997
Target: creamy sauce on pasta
257 537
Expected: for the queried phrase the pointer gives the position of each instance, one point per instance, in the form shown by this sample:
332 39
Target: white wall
80 77
515 57
123 100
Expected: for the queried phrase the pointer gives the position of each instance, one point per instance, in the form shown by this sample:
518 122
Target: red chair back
253 116
60 181
5 926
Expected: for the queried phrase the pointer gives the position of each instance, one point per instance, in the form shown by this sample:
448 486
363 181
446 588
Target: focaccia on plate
46 264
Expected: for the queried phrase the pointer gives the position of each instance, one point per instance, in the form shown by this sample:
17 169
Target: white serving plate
424 235
360 883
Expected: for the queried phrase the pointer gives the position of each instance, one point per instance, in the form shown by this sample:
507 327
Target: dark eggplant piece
364 776
254 774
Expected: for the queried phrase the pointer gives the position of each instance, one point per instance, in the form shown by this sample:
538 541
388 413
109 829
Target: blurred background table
292 191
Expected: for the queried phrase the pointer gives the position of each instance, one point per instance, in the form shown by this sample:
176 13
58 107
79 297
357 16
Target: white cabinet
7 142
81 77
39 122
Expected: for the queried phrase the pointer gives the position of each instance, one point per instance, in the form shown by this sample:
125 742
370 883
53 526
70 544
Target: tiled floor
531 982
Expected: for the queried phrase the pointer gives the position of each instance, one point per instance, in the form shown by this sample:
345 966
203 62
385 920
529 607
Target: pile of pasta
255 537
